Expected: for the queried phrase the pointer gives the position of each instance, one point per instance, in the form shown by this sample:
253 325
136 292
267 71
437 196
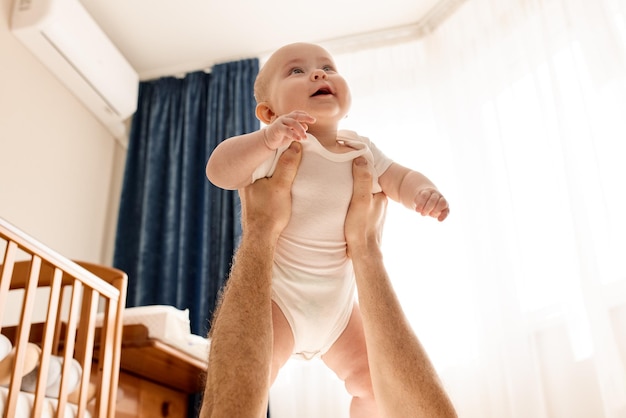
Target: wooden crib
68 296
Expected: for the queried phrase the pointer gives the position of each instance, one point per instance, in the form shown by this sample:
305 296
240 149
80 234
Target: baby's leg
348 359
283 341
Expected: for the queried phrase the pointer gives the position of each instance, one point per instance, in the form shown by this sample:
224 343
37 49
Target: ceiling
171 37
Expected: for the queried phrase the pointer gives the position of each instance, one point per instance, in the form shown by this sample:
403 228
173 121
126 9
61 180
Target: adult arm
405 381
238 374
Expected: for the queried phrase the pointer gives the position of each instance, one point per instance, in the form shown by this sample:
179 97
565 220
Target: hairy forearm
241 335
250 279
234 160
405 382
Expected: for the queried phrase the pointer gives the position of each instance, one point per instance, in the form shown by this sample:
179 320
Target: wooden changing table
155 379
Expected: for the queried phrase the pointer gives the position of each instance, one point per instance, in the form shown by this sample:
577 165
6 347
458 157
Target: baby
301 97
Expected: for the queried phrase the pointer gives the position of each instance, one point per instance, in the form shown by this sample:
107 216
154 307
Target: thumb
288 164
362 179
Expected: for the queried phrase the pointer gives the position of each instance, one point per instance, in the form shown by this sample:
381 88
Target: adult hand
366 214
266 204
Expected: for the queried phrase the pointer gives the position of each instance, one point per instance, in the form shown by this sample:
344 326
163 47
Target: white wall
60 169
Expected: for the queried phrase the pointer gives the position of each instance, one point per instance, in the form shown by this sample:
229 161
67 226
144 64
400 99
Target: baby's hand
429 202
287 128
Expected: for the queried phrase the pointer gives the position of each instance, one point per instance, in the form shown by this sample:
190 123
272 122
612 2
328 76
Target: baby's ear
265 113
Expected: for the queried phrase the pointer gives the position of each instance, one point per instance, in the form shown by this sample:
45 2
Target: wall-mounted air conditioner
63 35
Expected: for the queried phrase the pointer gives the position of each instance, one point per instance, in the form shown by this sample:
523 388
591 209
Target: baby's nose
318 74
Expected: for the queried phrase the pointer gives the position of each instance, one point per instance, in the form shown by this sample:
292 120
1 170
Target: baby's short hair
261 86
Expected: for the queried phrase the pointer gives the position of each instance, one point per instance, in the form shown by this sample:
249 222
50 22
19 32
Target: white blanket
168 325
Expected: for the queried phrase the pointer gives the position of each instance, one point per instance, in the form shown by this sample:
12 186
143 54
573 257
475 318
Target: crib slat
85 342
58 325
105 362
68 349
22 336
5 278
47 340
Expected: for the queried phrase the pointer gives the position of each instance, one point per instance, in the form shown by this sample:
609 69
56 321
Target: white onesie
313 280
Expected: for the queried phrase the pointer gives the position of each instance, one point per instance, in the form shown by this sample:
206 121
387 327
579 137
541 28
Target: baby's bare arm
415 191
234 160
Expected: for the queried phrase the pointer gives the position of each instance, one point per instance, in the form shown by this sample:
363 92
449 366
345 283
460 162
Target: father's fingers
362 181
362 197
366 213
287 166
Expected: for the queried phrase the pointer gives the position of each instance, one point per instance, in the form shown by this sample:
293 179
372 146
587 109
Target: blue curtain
177 232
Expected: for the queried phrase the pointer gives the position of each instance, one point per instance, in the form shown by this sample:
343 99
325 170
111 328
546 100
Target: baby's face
304 77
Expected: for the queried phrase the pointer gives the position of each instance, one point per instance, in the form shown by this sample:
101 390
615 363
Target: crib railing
37 281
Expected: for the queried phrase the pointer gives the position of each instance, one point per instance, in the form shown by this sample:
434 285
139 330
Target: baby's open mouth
322 91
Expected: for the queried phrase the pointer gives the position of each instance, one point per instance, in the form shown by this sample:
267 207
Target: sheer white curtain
516 109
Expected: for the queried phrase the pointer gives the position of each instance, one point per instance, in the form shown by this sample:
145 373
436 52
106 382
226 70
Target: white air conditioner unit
63 35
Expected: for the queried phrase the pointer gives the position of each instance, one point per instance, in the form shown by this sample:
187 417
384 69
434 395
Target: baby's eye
296 70
328 68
